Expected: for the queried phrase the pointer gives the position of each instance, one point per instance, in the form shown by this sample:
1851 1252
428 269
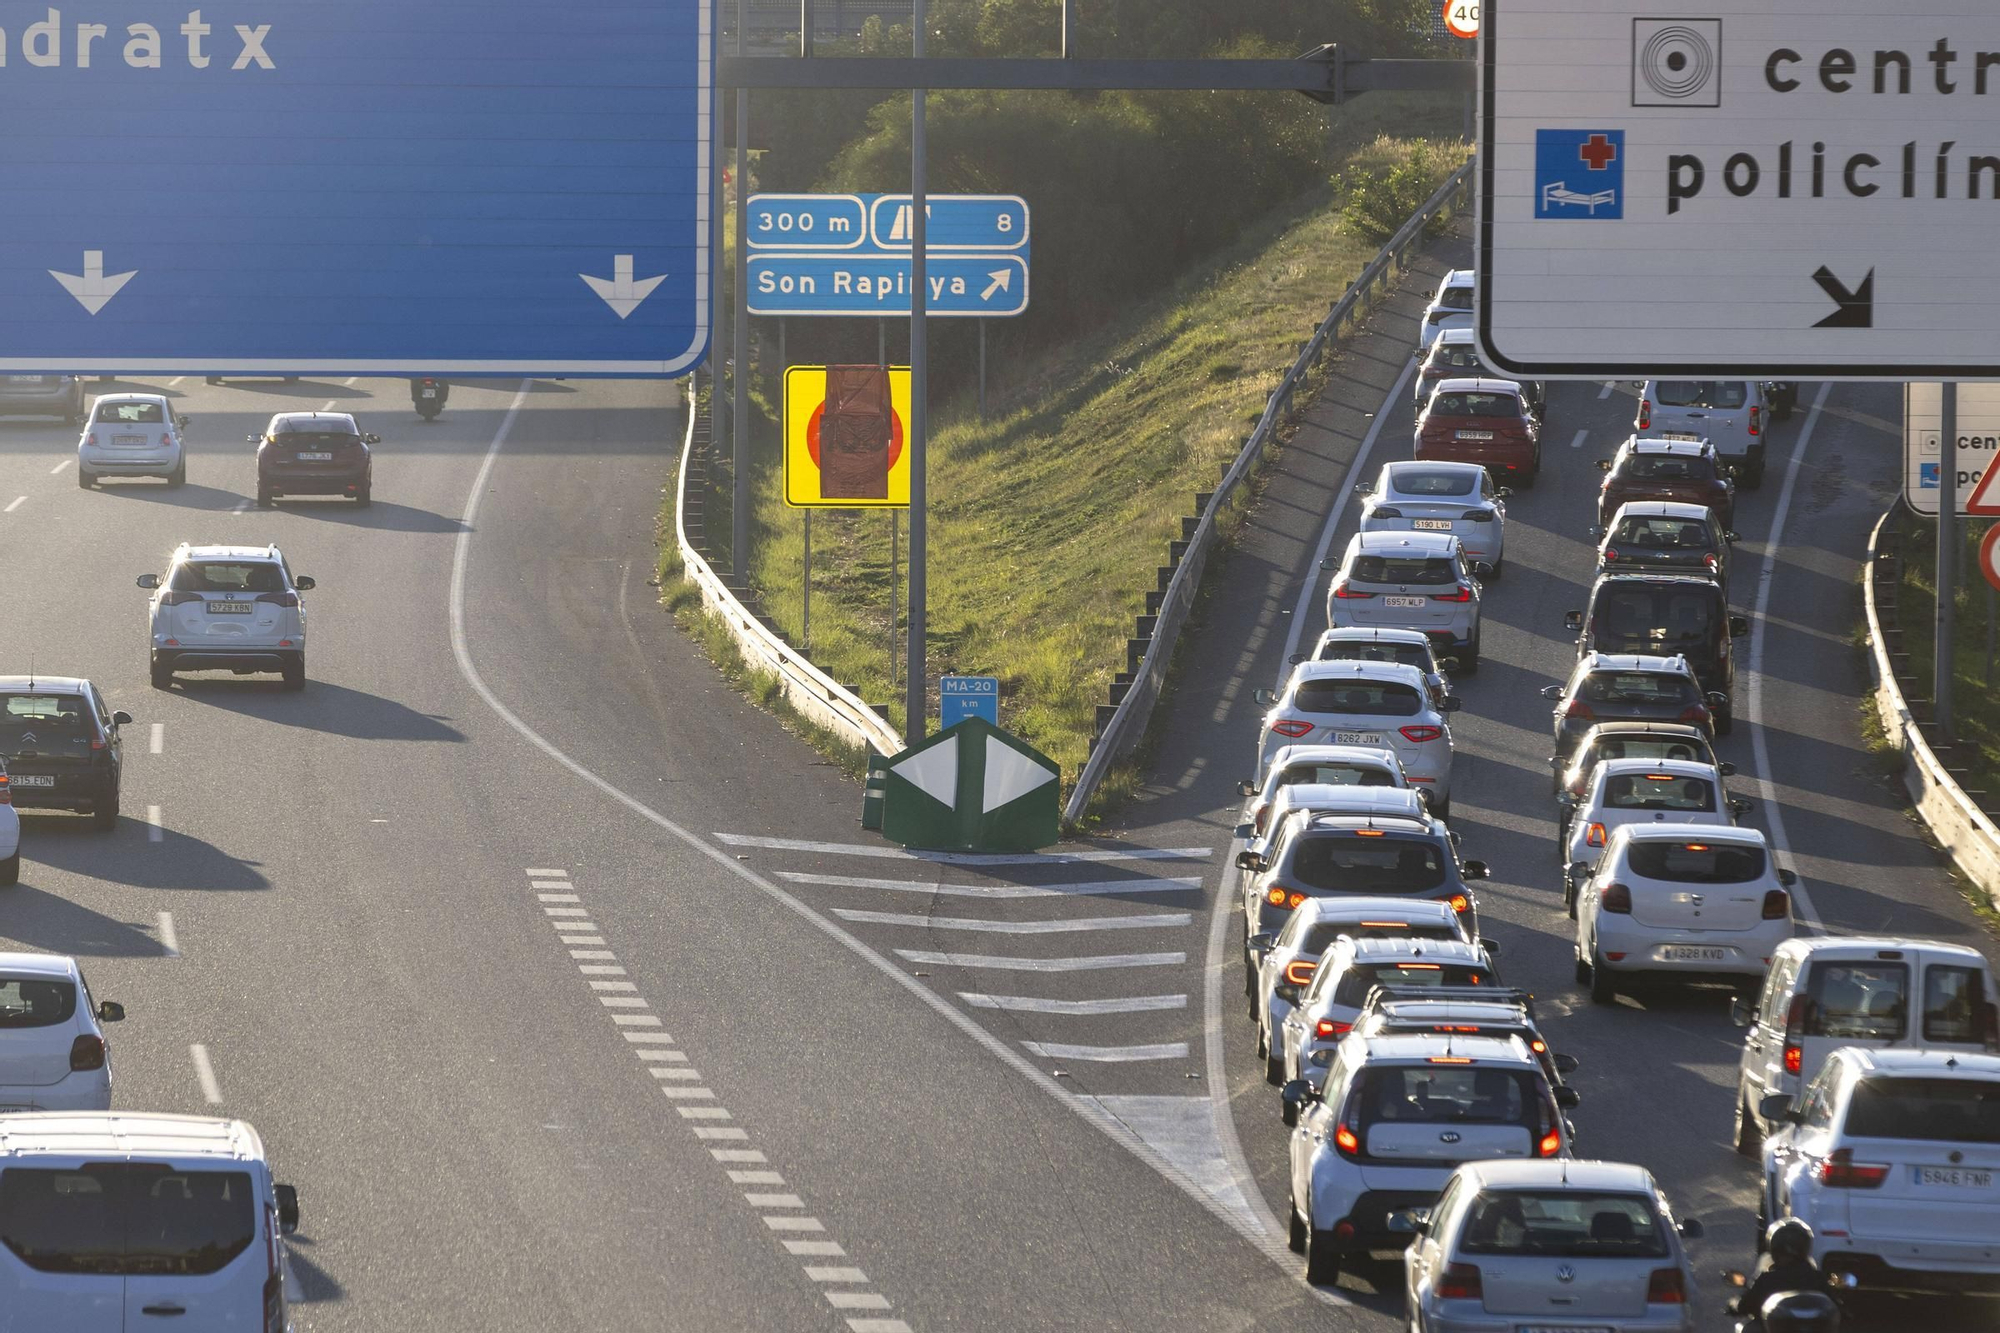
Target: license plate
1433 525
1472 435
33 780
1356 738
316 458
128 439
1404 602
230 608
1954 1177
1676 435
1688 953
430 393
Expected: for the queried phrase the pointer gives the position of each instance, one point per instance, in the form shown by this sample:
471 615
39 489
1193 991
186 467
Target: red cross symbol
1598 151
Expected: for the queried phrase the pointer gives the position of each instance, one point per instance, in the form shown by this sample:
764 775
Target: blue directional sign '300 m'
849 254
513 187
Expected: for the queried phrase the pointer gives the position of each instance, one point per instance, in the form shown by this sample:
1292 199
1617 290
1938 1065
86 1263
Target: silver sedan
1458 498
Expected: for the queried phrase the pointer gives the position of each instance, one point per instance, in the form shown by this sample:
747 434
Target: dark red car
315 453
1482 421
1679 471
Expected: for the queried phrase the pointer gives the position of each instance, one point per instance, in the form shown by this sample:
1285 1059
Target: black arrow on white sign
1857 308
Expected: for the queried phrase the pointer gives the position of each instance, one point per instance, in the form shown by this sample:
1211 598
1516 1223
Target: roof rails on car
1385 993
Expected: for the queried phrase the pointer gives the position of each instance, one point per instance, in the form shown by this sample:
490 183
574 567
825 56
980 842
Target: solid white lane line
17 502
159 741
1043 964
880 850
551 874
60 466
1311 586
204 1073
1605 392
1753 702
154 833
1060 926
170 943
1028 1004
1088 888
1581 436
1173 1050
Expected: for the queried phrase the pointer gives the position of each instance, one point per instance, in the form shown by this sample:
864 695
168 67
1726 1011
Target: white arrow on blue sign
874 284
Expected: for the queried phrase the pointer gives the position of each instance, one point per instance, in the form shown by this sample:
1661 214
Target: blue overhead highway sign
363 187
874 284
808 221
957 222
849 254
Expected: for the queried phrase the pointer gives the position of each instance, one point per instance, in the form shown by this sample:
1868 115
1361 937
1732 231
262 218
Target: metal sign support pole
806 589
805 29
739 508
1068 25
895 527
1947 559
916 704
982 368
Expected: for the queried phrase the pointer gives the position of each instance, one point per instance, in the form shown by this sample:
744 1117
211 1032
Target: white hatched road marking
680 1083
1086 888
170 942
1154 921
1028 1004
1101 961
883 851
159 741
204 1074
1049 1050
16 503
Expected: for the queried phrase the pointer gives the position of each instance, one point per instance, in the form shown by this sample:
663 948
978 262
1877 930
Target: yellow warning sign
862 486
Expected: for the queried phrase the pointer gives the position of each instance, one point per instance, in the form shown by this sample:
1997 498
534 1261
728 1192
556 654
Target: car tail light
1695 713
1538 1046
1460 1282
86 1052
1460 903
1756 421
1292 728
1838 1171
1551 1143
1421 734
428 381
1328 1028
1794 1053
1385 511
1616 899
1777 905
1610 555
1645 414
1462 593
1280 896
1347 1142
1479 515
176 598
1300 972
6 790
1594 836
1666 1286
1341 590
1580 710
1712 563
279 598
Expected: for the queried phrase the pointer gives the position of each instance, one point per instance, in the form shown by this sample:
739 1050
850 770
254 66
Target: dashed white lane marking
204 1074
154 833
242 506
1581 436
170 943
1093 964
1605 392
17 502
175 381
697 1105
1028 1004
1106 887
159 741
327 406
60 466
349 381
1049 1050
1059 926
883 851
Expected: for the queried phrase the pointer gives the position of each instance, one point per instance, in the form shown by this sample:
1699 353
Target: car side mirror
1716 699
1482 569
1741 805
1408 1222
1447 665
1261 942
1451 703
1788 878
1296 658
1566 800
1503 492
1573 620
149 581
1297 1094
1738 626
1249 860
253 439
110 1011
1727 769
1731 537
1740 1011
1595 530
1567 1098
288 1208
1328 565
1777 1108
183 422
1491 946
1603 465
1564 1062
305 583
121 718
1265 697
1474 870
1690 1229
1246 788
1246 830
372 439
1364 488
1552 692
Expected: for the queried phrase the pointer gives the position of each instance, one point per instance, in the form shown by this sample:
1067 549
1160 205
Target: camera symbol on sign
1676 62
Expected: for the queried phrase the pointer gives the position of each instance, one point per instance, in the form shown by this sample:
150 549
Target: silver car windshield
1566 1223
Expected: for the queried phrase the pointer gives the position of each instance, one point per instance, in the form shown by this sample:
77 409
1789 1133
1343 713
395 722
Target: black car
1632 740
1662 537
314 453
1666 615
1624 687
61 747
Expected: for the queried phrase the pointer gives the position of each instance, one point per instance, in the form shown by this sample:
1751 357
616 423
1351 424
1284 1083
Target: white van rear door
199 1254
53 1222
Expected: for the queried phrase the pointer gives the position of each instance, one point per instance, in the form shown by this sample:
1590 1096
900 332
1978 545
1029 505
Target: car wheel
10 869
1725 721
1468 659
1297 1237
291 379
163 674
364 496
264 500
1442 809
1582 969
1322 1260
1602 991
105 816
1287 1112
1499 569
1763 1220
295 673
1274 1070
179 476
1749 1134
84 478
215 379
1569 896
1753 478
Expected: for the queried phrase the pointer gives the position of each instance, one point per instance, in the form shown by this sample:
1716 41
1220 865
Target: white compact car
53 1055
1358 643
1892 1157
1375 705
1450 308
1317 765
1410 580
10 832
1351 968
1682 902
1510 1245
132 435
1398 1116
1458 498
1640 791
228 608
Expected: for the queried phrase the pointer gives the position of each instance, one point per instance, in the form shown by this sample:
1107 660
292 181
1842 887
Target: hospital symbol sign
1580 174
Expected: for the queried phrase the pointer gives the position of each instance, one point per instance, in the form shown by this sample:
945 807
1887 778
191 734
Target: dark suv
314 453
1666 615
60 743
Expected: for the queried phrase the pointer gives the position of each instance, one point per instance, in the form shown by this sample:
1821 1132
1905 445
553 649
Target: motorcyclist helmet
1789 1241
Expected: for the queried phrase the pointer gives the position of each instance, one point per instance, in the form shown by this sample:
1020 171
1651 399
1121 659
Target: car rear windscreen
1352 863
1472 404
1568 1224
1321 937
1424 481
1417 655
1650 747
1359 698
1668 467
1336 775
1868 1001
1357 981
1938 1110
1700 393
36 1002
1446 1094
1459 356
126 1218
1665 534
1637 687
1673 614
1952 1000
227 576
1697 862
46 717
1659 791
1420 571
1456 298
129 414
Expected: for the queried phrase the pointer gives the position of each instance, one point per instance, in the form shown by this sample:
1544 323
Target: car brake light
6 790
1280 896
1777 905
1610 555
1347 1142
1301 972
1551 1143
279 598
1538 1046
1343 591
428 381
1841 1171
1579 709
176 598
1666 1286
1292 727
1421 733
1594 837
1330 1027
1712 563
1463 593
1460 903
1756 421
1695 713
1645 414
1616 899
1794 1054
1386 511
1460 1282
86 1052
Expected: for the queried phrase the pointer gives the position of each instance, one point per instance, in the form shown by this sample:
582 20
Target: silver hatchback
42 396
1411 580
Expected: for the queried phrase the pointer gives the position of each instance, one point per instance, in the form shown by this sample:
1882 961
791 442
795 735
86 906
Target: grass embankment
1975 707
1047 522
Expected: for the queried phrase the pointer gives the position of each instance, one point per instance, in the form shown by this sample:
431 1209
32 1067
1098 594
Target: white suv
228 608
131 435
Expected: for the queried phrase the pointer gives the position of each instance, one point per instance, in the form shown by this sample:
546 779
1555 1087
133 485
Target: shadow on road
39 920
324 707
123 856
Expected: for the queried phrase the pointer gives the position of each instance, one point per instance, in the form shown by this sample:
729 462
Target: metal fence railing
1128 722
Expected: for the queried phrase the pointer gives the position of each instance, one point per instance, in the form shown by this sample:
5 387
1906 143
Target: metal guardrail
1128 722
810 690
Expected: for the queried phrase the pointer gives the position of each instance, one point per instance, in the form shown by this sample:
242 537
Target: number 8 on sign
1461 17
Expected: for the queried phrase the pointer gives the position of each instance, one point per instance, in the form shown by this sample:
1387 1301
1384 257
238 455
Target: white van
1822 993
111 1223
